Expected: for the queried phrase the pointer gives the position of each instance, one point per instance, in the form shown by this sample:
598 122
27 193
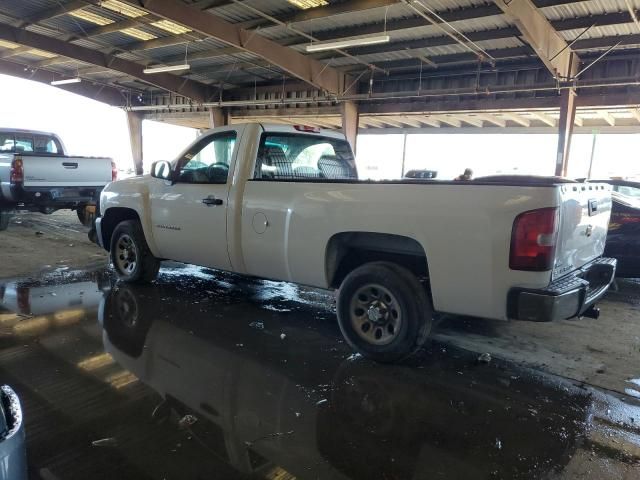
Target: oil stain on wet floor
206 375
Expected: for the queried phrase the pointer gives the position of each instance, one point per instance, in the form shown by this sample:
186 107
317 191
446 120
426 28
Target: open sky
88 127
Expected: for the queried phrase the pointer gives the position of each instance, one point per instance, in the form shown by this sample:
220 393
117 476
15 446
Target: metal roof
415 42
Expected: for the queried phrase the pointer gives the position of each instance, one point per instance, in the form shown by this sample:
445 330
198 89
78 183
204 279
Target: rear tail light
533 240
114 172
17 171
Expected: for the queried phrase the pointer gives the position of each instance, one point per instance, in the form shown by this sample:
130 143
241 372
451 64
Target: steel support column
565 130
218 117
134 122
350 122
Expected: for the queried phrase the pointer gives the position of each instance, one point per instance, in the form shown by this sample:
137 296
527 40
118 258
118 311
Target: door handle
211 200
69 164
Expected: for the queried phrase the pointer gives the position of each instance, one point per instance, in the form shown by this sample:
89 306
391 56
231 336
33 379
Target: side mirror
162 170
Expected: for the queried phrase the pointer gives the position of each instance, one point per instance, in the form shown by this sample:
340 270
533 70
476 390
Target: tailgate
56 171
584 221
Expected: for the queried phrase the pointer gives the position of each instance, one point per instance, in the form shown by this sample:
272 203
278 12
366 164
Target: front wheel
384 312
130 254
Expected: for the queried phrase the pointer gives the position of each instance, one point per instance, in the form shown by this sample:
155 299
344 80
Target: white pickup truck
36 174
286 203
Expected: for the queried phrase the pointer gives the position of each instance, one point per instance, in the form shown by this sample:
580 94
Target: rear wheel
130 254
4 220
384 312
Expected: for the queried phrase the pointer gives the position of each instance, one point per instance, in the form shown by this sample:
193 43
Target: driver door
189 217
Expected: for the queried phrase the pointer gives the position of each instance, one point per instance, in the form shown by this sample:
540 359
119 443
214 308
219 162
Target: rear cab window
19 142
291 156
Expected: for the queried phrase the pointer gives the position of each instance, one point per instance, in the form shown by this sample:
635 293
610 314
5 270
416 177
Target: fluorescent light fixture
66 81
306 4
91 17
171 27
5 44
123 8
167 68
139 34
352 42
41 53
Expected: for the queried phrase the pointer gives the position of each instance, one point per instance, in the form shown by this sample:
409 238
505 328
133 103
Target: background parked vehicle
623 239
37 174
425 174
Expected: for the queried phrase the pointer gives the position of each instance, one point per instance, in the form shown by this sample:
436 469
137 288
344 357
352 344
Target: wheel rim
127 308
126 255
375 314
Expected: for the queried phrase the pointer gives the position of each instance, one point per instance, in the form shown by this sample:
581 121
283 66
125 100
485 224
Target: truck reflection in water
272 394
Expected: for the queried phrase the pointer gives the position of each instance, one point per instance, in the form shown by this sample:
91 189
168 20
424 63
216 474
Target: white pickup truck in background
36 174
286 203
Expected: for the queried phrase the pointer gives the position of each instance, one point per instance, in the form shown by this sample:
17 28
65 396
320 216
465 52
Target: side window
24 144
304 157
45 144
208 160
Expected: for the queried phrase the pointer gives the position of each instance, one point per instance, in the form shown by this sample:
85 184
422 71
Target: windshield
18 142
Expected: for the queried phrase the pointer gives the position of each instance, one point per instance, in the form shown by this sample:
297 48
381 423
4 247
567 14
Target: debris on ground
187 421
283 336
257 325
321 402
498 444
271 435
484 358
39 233
105 442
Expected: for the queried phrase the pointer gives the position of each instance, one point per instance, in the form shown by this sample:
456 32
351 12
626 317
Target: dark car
426 174
623 240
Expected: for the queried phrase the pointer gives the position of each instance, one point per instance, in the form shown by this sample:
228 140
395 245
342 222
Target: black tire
125 321
85 218
4 220
130 254
404 321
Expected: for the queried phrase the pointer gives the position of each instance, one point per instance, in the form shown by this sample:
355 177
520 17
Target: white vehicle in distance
285 203
37 174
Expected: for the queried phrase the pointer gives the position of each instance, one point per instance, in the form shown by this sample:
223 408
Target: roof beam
293 62
544 118
497 121
607 117
549 45
432 122
473 120
102 93
515 118
453 122
194 90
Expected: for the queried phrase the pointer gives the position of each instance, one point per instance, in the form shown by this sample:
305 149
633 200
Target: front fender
131 194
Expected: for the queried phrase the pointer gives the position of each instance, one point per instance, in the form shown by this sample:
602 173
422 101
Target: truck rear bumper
568 297
62 197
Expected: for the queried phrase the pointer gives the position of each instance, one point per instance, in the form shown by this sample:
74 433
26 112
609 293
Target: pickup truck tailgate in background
584 220
56 171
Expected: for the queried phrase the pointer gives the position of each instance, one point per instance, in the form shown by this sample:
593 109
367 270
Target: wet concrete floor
206 375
